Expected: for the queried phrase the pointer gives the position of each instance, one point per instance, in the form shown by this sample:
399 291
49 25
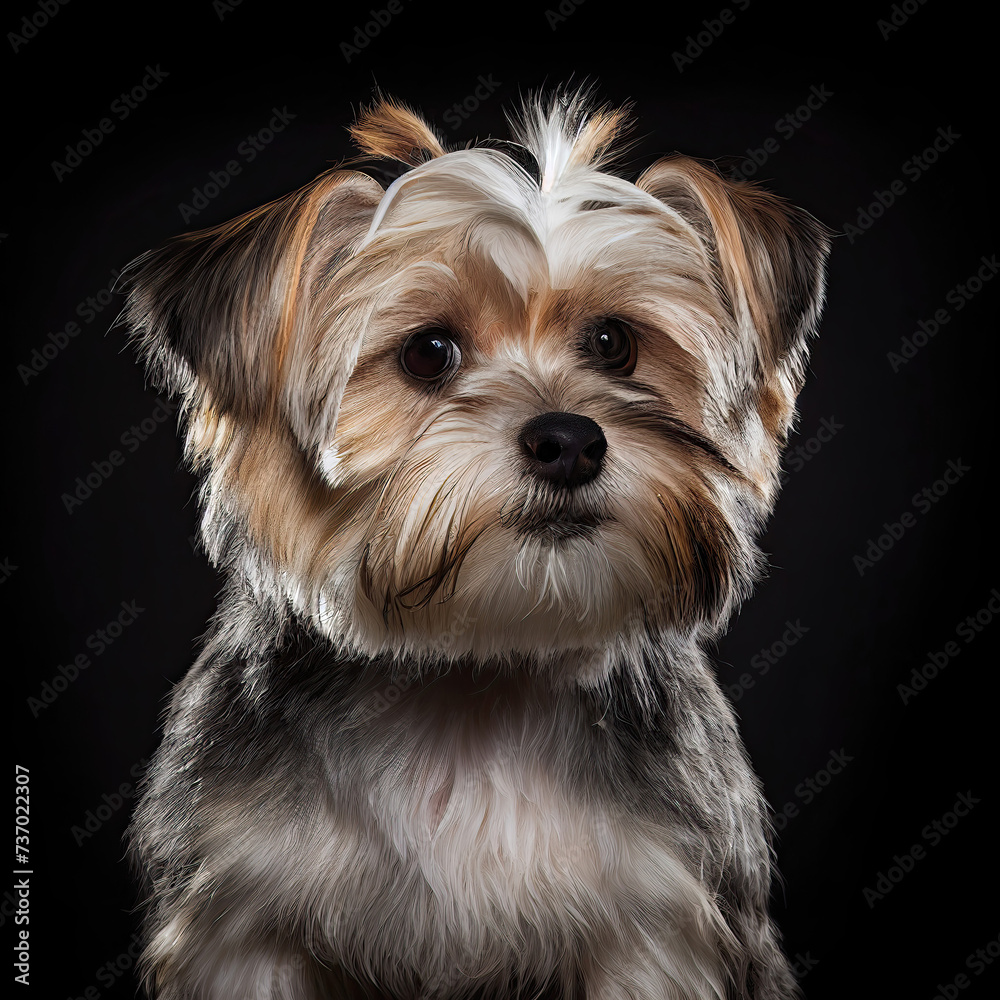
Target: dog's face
492 409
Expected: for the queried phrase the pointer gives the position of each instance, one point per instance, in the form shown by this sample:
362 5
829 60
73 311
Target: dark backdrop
858 768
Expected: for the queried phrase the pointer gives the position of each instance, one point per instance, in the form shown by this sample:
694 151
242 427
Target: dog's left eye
429 354
614 342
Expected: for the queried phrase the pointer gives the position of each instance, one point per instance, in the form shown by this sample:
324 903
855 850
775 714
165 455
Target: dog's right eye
429 354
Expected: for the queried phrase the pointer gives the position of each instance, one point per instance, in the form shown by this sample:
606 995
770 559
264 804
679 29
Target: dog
484 437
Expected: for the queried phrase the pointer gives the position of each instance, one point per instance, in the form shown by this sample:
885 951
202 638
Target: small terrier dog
483 452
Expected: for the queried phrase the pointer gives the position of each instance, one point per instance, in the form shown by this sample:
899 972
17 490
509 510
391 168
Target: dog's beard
460 553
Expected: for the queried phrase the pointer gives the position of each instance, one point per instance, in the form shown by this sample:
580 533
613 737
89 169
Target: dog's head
511 403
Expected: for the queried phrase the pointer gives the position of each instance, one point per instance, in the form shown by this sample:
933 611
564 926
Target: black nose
564 448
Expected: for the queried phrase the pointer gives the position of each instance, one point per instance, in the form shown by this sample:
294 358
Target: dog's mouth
561 526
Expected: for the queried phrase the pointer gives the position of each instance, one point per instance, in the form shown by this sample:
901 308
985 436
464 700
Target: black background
834 690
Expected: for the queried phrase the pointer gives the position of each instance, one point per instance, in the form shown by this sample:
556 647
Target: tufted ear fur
391 130
771 261
218 314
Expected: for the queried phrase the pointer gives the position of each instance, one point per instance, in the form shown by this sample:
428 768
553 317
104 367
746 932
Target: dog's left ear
771 260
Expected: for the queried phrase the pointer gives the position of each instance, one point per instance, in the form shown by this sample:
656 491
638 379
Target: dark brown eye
614 343
429 354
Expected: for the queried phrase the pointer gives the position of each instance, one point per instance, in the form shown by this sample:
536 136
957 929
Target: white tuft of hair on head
567 132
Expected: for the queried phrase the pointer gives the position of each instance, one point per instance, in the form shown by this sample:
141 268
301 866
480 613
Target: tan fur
600 133
406 561
747 224
392 130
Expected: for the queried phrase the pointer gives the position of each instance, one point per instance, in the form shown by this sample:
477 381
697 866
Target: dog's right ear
217 314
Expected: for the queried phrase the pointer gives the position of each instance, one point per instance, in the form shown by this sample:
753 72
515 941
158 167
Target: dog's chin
552 592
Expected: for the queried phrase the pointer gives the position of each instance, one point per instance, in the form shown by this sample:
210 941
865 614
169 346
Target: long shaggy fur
452 734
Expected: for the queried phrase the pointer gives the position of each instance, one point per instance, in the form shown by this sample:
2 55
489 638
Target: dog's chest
477 800
494 808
